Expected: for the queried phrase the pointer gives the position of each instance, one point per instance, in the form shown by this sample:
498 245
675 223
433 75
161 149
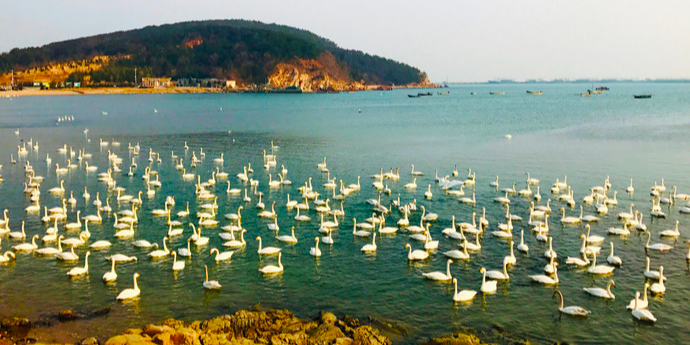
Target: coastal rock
15 322
130 339
456 339
328 318
89 341
67 315
366 335
326 333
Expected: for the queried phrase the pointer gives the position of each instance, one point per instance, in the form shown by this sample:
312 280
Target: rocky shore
276 327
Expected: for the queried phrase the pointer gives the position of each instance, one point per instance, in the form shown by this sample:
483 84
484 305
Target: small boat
585 95
473 93
497 93
412 96
424 94
444 93
602 88
535 92
595 92
642 96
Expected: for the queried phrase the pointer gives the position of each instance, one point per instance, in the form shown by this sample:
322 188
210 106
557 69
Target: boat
602 88
642 96
412 96
444 93
585 95
473 93
535 92
424 94
497 93
595 92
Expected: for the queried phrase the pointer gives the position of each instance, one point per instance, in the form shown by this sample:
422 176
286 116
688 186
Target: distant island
230 55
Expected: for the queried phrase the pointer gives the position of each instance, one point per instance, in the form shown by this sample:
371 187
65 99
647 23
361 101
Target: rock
456 339
152 330
326 333
129 339
67 315
89 341
327 317
366 335
102 311
15 322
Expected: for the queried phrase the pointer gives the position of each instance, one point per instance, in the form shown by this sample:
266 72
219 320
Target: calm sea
553 135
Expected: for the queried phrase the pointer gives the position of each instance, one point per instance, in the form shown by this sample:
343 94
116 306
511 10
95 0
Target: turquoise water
553 135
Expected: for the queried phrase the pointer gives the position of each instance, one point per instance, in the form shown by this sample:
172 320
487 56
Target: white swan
6 257
657 246
111 275
571 310
67 256
369 247
641 313
416 255
130 293
440 276
457 254
464 295
487 286
613 259
267 250
659 287
50 250
641 303
236 243
522 246
569 220
80 271
288 238
603 293
271 269
651 274
599 269
673 233
177 265
210 284
546 280
498 275
221 256
315 251
160 253
27 247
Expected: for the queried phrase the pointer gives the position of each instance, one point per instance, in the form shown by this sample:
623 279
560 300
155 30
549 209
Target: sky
456 41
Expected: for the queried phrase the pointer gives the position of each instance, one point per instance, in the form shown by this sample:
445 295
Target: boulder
89 341
456 339
67 315
129 339
365 335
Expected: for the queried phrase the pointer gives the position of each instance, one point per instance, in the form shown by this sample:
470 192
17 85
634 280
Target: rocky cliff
312 75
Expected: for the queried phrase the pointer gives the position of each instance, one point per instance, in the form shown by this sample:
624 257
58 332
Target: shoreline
172 90
246 326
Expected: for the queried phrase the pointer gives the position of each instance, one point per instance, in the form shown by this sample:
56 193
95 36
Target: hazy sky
474 40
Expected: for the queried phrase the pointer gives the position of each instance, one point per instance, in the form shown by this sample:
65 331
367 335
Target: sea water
555 134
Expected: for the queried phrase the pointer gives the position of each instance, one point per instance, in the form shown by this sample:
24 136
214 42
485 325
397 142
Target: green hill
246 51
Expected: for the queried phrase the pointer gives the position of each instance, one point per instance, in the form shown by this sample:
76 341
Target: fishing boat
535 92
444 93
585 95
642 96
412 96
497 93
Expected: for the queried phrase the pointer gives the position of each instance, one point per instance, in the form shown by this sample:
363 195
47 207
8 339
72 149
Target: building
156 82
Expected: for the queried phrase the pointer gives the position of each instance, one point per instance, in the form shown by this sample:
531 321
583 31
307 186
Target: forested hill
249 52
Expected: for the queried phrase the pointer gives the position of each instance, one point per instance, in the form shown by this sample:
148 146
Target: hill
249 52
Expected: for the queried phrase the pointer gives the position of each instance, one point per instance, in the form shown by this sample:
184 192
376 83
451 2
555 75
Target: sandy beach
105 91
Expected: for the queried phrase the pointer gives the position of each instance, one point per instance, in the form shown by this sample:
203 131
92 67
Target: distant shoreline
172 90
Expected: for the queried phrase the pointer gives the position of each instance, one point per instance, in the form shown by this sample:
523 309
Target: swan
210 284
102 244
638 221
571 310
267 250
498 275
651 274
510 258
546 280
144 244
58 190
659 287
6 257
505 230
274 226
502 199
588 218
429 243
130 293
198 240
537 195
472 246
27 247
416 255
579 262
452 232
74 225
236 243
221 256
440 276
177 265
235 216
269 214
522 246
630 188
612 201
367 248
67 256
271 269
111 275
613 259
288 238
122 258
641 313
411 185
50 250
186 252
487 286
107 207
315 251
414 172
428 193
599 269
641 303
18 235
301 218
494 183
550 253
619 231
126 233
657 246
160 253
603 293
593 239
457 254
471 201
525 192
359 233
667 233
80 271
627 215
569 220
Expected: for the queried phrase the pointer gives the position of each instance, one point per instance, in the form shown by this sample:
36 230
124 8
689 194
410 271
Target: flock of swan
313 205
